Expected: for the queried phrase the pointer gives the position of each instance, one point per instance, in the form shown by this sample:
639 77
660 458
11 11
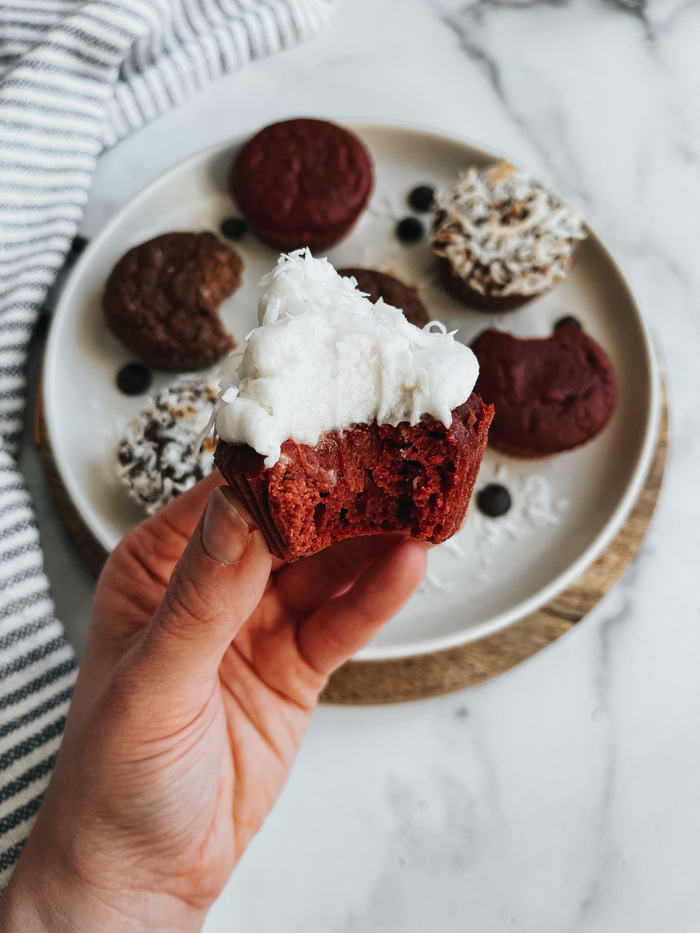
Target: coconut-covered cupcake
344 419
502 238
160 455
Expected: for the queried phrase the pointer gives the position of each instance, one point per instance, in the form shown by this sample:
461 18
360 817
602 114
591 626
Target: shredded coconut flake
160 455
504 233
534 507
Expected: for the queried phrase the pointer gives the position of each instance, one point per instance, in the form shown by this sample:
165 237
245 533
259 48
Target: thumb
215 586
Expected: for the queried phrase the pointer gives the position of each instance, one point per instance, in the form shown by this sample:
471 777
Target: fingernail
225 533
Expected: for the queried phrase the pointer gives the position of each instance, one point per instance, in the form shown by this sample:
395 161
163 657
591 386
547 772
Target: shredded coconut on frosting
504 233
160 455
324 358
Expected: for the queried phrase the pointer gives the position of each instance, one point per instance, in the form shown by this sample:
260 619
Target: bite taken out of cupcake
501 238
551 393
343 419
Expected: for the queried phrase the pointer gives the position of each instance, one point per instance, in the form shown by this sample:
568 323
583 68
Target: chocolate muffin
550 394
159 455
162 299
393 291
344 419
501 238
301 183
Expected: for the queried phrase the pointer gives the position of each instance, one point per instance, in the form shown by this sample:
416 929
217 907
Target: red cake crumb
368 480
302 183
551 394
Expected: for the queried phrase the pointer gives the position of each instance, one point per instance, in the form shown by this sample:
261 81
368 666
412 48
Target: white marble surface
562 797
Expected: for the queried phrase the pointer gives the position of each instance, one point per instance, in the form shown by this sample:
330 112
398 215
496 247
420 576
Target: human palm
204 663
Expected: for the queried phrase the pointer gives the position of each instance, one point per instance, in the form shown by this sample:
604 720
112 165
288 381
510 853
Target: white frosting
324 358
504 233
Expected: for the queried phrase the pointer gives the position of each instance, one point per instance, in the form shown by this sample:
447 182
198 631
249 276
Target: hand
204 662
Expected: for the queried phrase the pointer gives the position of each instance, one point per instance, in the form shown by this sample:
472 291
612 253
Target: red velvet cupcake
344 419
416 479
551 394
301 183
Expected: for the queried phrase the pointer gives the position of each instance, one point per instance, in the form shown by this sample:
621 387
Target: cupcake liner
259 509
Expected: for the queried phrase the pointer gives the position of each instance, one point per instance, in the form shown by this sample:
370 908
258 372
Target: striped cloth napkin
76 76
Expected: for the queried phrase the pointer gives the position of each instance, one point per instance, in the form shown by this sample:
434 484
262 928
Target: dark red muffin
369 479
393 291
550 394
302 183
162 299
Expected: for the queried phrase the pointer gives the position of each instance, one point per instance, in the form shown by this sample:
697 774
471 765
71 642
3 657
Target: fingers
135 576
184 511
342 626
160 540
148 554
306 584
213 588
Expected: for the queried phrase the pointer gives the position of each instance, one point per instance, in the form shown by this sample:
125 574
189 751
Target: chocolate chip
410 230
134 379
568 321
421 199
493 500
234 228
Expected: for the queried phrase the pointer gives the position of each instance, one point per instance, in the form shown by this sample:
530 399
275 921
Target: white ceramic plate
566 509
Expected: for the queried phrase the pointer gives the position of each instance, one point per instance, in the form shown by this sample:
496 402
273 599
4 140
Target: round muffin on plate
160 456
162 299
393 291
344 419
302 182
501 238
551 394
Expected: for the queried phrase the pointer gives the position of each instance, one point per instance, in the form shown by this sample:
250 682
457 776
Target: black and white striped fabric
76 76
